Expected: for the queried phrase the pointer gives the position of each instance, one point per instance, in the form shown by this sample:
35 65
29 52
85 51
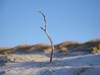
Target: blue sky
76 20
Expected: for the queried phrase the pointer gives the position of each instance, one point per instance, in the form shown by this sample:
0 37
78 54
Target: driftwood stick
45 30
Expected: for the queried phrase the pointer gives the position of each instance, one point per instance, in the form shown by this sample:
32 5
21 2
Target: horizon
54 44
67 21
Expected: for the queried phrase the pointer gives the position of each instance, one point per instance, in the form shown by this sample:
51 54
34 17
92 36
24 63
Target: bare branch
45 30
44 19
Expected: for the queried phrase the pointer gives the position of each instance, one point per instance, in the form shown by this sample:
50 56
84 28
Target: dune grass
24 48
4 48
92 46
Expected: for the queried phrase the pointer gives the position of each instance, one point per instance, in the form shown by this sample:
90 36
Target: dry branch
45 30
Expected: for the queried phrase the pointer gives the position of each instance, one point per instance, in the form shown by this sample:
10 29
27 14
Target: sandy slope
76 63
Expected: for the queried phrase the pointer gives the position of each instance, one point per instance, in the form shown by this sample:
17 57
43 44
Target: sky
68 20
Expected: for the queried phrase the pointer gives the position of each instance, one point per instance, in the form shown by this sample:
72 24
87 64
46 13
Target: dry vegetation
4 48
92 46
25 48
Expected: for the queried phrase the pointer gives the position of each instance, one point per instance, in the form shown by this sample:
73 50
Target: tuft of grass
47 50
98 46
62 50
94 50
